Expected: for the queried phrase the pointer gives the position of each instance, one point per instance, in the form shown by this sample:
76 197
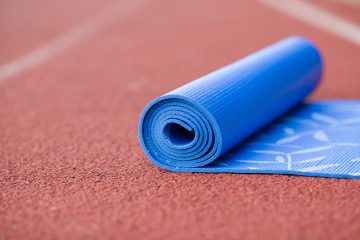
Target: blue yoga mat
249 117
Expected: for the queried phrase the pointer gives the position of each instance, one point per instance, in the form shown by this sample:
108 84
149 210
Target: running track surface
70 163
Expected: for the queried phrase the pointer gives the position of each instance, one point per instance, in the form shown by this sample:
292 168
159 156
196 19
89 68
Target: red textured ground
70 163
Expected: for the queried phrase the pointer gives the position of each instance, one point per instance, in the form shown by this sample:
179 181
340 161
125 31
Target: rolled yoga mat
248 117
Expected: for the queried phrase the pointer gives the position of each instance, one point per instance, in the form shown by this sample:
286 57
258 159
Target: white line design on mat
317 121
254 168
323 118
287 158
289 161
82 31
317 134
315 152
254 161
317 168
316 159
317 17
314 149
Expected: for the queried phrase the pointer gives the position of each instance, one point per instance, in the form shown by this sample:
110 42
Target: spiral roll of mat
195 124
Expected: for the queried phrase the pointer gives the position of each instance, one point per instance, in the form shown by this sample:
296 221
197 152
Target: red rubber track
70 163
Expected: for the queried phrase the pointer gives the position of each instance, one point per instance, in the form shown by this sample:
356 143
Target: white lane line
317 17
82 31
352 3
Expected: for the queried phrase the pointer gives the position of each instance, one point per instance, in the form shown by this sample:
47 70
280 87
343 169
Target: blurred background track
70 163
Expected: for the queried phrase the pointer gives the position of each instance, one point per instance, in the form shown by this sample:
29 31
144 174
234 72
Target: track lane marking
317 17
84 30
352 3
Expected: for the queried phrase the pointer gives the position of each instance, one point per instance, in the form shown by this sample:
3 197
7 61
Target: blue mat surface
248 117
